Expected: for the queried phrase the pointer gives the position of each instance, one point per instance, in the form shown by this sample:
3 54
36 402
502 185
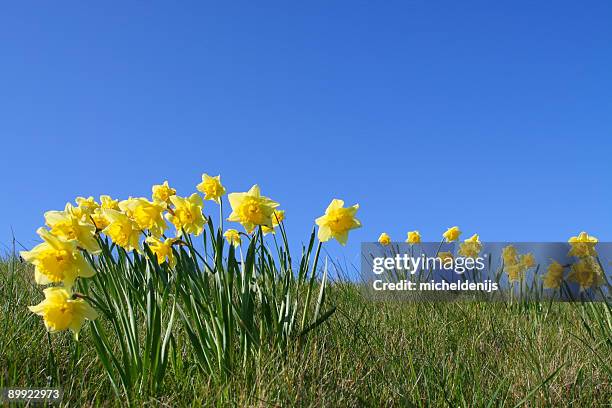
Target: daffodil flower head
107 202
583 245
452 234
509 255
122 230
211 187
99 219
471 247
162 192
68 225
554 276
384 239
527 260
61 312
278 216
233 237
85 206
585 273
163 250
251 209
148 215
413 237
187 214
447 258
337 222
57 260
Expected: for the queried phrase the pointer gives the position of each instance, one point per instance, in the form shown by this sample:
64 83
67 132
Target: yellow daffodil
337 222
60 311
509 255
66 224
127 206
251 209
278 216
554 276
57 260
162 192
586 274
163 250
122 230
211 187
148 215
233 237
471 247
452 234
384 239
447 259
187 214
515 272
99 219
413 237
527 260
85 206
582 245
106 202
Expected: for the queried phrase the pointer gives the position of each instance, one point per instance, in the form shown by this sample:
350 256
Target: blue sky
494 117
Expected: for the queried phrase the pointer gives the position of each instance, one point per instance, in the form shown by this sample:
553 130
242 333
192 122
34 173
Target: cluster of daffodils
586 271
72 238
516 265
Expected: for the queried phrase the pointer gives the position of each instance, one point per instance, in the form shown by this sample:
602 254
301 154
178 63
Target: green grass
366 354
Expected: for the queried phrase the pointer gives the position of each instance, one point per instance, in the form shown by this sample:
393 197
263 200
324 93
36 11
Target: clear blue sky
493 117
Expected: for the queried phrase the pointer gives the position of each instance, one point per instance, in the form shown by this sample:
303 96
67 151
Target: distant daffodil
451 234
384 239
413 237
337 222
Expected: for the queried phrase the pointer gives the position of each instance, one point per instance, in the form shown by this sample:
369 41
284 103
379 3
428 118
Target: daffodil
66 224
471 247
60 311
337 222
515 272
452 234
251 209
127 206
233 237
211 187
278 216
447 258
583 245
99 219
384 239
554 276
509 255
413 237
57 260
107 202
162 192
187 214
163 250
148 215
586 274
85 206
122 230
527 260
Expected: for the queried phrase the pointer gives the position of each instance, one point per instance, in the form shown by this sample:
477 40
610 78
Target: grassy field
366 354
